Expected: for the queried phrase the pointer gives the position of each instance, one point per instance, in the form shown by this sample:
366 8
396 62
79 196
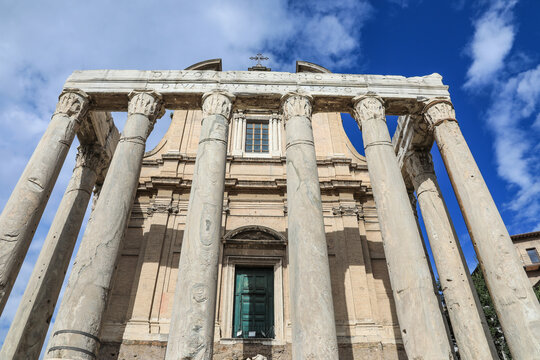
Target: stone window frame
228 278
534 251
239 134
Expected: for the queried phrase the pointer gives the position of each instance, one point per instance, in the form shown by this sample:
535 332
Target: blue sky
486 50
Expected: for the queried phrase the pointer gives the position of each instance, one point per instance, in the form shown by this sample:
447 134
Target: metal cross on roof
259 57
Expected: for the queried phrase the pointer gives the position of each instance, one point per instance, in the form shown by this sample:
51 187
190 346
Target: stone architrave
29 327
23 210
513 297
421 322
312 309
75 333
191 334
467 318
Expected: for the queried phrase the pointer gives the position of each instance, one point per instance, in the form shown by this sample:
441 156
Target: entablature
183 89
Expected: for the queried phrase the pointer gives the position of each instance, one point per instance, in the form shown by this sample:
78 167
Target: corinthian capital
297 104
73 103
146 102
217 103
368 107
93 157
417 163
438 111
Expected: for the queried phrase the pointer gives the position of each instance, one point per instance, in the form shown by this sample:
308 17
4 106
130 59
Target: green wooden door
254 303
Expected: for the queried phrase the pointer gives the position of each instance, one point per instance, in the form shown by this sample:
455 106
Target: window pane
533 255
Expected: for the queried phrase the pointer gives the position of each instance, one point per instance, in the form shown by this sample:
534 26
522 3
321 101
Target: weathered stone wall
156 351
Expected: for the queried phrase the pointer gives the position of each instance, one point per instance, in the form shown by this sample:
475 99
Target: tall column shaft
23 210
191 334
312 309
29 327
513 297
420 319
466 315
75 333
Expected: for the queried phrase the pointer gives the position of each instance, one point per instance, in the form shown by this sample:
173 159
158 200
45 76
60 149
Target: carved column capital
438 111
73 103
297 104
217 102
418 162
419 166
146 102
93 157
368 107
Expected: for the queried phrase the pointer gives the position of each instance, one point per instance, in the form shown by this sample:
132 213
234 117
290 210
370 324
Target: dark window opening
533 255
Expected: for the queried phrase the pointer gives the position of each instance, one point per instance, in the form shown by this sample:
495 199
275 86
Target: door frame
228 278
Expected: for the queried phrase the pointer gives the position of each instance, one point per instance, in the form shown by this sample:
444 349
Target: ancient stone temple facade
254 227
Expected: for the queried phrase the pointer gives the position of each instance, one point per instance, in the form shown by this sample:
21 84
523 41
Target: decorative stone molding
217 103
162 208
297 104
348 210
93 157
73 103
146 102
438 111
368 107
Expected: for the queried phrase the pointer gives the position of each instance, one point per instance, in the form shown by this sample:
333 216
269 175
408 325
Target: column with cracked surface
29 327
312 309
23 210
422 329
513 297
191 334
75 333
466 315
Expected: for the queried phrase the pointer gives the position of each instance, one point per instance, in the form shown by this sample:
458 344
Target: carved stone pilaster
148 103
73 103
368 107
297 104
438 111
346 210
217 103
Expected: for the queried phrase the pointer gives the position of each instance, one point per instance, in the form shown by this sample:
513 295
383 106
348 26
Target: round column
421 322
29 327
513 297
191 334
312 308
23 210
466 315
75 333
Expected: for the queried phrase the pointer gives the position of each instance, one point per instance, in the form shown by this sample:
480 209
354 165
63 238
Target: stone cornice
184 89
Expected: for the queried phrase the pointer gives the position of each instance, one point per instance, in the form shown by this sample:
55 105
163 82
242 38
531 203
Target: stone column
417 306
75 333
512 294
23 210
29 327
191 334
468 321
312 309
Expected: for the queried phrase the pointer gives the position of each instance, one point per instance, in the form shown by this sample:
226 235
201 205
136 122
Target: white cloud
517 156
492 41
43 42
514 105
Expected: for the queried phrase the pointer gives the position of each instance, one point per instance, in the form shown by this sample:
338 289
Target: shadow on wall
353 260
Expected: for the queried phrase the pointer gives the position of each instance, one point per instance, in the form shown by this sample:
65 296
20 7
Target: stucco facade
254 228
